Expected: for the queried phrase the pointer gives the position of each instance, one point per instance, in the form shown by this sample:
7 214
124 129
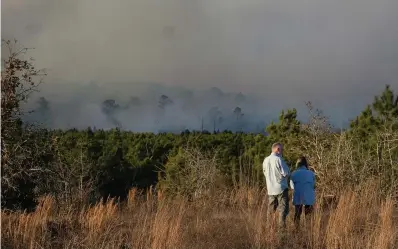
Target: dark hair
302 161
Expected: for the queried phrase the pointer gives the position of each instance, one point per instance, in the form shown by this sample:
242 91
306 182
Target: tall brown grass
238 218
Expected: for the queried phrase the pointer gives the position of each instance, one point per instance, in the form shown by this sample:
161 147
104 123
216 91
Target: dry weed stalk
131 198
166 226
386 232
97 221
28 230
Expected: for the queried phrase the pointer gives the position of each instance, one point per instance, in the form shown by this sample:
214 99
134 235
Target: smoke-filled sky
337 53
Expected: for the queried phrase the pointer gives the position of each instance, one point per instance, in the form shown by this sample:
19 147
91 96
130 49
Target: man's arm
282 167
264 164
286 168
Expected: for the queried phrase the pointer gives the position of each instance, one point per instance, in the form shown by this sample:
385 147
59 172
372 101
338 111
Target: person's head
302 161
277 148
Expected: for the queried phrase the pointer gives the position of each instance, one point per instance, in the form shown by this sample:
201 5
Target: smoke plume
278 54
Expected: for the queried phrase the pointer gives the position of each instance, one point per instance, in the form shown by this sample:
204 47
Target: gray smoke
338 54
152 108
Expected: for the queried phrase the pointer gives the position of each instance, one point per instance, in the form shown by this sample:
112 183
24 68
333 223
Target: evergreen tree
287 131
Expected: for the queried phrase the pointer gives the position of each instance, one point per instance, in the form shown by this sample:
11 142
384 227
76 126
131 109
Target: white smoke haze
155 108
339 54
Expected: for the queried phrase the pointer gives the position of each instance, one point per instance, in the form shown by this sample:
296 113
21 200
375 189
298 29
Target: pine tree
287 131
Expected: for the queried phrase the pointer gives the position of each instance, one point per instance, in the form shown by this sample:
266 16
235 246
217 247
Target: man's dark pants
281 203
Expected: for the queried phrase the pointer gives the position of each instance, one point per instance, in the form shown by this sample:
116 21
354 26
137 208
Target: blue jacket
302 181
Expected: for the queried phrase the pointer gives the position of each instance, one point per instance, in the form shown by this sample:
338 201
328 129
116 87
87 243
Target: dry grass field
357 218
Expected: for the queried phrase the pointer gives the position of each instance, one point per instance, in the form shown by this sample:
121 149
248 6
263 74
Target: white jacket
303 183
276 172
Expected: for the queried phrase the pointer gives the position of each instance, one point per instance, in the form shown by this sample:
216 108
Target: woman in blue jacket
302 181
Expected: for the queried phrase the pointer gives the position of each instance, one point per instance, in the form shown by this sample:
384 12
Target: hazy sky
338 53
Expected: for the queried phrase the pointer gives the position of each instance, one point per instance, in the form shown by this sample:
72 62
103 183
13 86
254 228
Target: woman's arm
291 184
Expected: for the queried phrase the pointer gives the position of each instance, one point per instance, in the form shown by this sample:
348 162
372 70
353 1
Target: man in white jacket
276 173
